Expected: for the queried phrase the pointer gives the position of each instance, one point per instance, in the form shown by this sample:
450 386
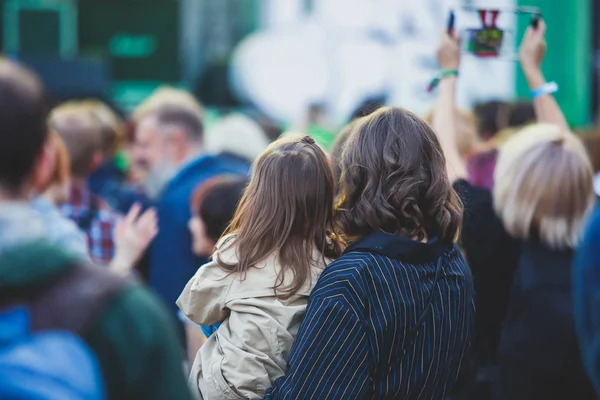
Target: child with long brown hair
263 271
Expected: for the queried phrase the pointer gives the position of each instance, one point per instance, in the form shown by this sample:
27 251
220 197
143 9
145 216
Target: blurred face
201 245
151 155
148 149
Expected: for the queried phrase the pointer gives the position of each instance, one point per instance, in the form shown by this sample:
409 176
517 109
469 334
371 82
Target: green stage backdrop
569 57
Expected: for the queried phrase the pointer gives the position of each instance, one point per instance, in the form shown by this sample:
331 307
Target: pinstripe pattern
356 326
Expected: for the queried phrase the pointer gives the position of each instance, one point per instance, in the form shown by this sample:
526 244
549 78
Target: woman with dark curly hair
392 318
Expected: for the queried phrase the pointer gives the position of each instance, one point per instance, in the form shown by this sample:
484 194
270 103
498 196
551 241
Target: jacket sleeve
136 343
329 359
203 299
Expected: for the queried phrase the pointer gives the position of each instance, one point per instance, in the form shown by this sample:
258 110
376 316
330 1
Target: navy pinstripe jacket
360 339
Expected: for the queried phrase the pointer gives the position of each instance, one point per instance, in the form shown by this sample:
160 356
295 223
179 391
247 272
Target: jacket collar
400 248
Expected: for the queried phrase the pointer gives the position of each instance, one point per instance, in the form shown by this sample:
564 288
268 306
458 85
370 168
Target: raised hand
531 54
132 236
533 47
448 53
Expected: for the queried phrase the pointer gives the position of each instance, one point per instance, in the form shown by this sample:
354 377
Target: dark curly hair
394 180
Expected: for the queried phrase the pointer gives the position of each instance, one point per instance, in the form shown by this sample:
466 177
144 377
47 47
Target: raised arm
444 121
531 55
132 237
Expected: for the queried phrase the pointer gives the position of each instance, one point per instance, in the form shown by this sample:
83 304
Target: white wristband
546 88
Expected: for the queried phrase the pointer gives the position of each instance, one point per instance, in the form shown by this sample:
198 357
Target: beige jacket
251 347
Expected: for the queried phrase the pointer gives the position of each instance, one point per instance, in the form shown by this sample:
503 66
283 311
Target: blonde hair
81 134
112 125
543 186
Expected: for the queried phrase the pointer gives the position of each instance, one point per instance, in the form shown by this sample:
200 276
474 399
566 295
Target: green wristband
441 75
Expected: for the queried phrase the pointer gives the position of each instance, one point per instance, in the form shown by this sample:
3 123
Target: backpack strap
70 302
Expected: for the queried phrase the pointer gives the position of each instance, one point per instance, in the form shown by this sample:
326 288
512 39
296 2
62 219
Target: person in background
520 239
586 300
591 140
127 329
318 126
213 206
132 234
82 137
169 147
480 156
338 147
164 96
374 326
56 188
497 122
109 180
236 136
263 270
467 139
491 117
52 189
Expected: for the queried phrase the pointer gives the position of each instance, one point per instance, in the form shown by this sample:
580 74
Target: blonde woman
530 224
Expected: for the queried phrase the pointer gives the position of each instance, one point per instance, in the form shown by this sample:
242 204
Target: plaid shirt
96 219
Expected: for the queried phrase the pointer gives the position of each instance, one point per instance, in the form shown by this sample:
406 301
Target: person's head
237 135
543 186
54 186
338 148
23 130
164 140
492 116
520 113
466 132
213 205
287 211
82 135
394 180
367 107
166 96
111 124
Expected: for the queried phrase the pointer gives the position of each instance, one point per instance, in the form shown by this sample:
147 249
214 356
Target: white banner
346 51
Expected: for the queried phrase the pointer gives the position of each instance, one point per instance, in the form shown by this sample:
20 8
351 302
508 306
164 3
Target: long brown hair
287 209
394 180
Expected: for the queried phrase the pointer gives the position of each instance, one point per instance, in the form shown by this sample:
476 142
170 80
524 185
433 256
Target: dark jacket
538 353
110 183
492 255
586 287
524 314
172 262
363 336
132 335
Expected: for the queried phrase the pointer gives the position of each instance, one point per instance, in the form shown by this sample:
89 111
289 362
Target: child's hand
132 236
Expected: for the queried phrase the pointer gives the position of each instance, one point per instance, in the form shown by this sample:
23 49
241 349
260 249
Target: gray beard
158 178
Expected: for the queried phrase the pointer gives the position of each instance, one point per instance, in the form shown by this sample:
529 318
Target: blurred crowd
155 256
